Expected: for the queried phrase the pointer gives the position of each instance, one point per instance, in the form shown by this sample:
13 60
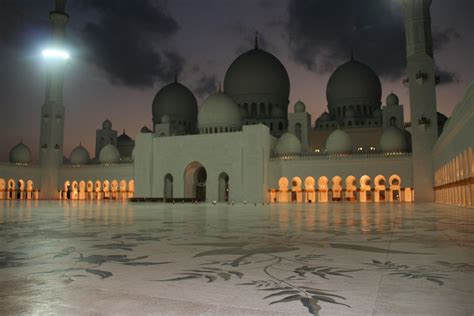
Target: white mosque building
245 144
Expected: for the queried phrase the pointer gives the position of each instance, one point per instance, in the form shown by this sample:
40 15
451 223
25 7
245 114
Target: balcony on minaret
406 82
423 122
421 77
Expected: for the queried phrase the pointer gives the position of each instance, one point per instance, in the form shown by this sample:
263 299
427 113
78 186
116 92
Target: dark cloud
21 27
446 76
125 42
322 34
205 85
443 37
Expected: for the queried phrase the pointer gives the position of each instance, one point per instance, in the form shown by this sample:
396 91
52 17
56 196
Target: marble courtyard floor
116 258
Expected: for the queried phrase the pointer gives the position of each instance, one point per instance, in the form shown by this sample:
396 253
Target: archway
283 193
323 189
2 189
98 191
168 186
365 189
223 187
11 194
296 194
309 184
336 188
395 183
351 188
195 177
114 185
123 189
90 188
74 190
106 189
131 188
67 190
21 189
82 190
380 188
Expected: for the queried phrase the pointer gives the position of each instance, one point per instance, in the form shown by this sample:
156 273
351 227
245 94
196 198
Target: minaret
52 111
421 82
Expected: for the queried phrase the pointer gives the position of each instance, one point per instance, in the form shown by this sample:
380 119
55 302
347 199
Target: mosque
245 143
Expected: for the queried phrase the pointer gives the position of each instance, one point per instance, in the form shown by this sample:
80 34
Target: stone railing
323 156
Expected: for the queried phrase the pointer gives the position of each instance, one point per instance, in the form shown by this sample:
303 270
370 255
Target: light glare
55 53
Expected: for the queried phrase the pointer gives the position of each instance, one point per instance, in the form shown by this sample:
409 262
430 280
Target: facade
243 144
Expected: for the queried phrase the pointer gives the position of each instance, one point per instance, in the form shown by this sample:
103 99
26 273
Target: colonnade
97 190
454 181
17 189
349 189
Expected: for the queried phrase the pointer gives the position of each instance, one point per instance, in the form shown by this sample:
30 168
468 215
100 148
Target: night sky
123 52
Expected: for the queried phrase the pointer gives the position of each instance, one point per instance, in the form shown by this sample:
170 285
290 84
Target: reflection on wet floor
339 258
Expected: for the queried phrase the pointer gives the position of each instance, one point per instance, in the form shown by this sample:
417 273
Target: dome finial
256 40
60 5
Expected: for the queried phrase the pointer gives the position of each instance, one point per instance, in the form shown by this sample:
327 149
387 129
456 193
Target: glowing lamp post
53 53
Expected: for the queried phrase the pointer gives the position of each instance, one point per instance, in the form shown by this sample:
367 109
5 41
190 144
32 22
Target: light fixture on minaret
52 111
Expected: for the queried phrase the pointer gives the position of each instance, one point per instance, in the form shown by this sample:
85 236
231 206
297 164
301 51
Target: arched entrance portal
168 186
195 177
223 194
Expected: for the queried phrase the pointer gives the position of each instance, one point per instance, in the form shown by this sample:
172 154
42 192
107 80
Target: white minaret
52 111
421 82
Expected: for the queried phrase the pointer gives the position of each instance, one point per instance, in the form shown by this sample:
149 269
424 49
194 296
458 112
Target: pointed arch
223 187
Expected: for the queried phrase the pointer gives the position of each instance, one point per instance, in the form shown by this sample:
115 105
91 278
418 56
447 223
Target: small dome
219 110
124 139
20 153
393 139
324 116
339 142
288 143
392 99
177 102
79 156
125 145
107 124
165 119
145 129
109 154
300 107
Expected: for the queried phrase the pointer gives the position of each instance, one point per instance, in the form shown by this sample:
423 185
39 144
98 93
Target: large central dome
258 82
353 84
257 72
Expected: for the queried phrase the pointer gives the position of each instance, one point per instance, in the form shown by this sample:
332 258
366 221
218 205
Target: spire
123 131
256 40
60 6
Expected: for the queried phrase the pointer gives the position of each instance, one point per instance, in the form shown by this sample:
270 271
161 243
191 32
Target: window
280 126
392 121
253 110
298 130
262 108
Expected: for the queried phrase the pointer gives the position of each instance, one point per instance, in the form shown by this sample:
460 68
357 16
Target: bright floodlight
55 53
